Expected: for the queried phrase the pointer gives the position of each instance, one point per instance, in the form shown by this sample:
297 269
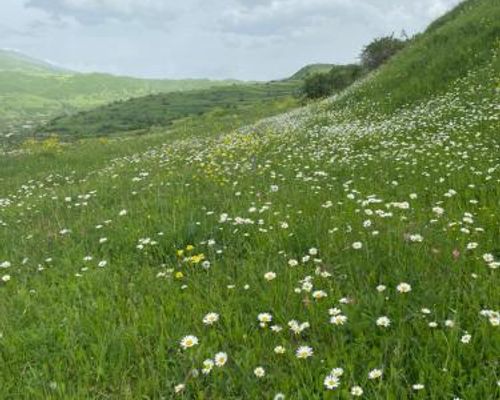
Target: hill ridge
15 60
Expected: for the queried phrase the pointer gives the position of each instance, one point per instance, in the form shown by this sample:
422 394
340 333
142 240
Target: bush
380 50
317 86
325 84
344 75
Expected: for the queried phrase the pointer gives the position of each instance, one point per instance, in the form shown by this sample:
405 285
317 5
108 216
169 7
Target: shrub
344 75
380 50
317 86
338 78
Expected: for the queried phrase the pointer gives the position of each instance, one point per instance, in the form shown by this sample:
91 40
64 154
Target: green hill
455 44
348 248
11 60
311 69
26 94
32 90
161 110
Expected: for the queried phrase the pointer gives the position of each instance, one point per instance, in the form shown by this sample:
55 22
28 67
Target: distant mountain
311 69
12 60
35 90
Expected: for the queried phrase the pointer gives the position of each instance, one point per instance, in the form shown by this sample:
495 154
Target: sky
217 39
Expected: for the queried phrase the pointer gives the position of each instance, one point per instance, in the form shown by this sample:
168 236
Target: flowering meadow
328 253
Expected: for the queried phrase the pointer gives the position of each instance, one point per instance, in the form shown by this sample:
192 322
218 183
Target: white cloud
99 11
281 17
272 17
246 39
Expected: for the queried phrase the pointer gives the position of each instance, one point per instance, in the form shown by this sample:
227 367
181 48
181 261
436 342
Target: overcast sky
244 39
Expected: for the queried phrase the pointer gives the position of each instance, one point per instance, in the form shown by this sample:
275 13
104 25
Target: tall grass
342 255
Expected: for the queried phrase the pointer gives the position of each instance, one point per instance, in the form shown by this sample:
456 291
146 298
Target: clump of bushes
341 76
380 50
324 84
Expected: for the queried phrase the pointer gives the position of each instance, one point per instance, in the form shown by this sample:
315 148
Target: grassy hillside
339 250
34 91
452 46
164 109
11 60
312 69
24 94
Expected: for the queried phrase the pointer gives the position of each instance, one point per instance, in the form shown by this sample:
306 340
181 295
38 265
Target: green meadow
247 247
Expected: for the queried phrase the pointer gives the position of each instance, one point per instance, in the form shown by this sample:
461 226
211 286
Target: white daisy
211 318
259 372
189 341
331 382
384 322
220 359
356 391
404 287
304 352
375 373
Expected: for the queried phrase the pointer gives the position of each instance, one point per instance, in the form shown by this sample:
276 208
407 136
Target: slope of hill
34 90
11 60
25 94
311 69
452 46
164 109
340 250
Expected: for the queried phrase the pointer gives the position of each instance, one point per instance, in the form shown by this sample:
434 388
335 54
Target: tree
325 84
317 86
380 50
342 76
